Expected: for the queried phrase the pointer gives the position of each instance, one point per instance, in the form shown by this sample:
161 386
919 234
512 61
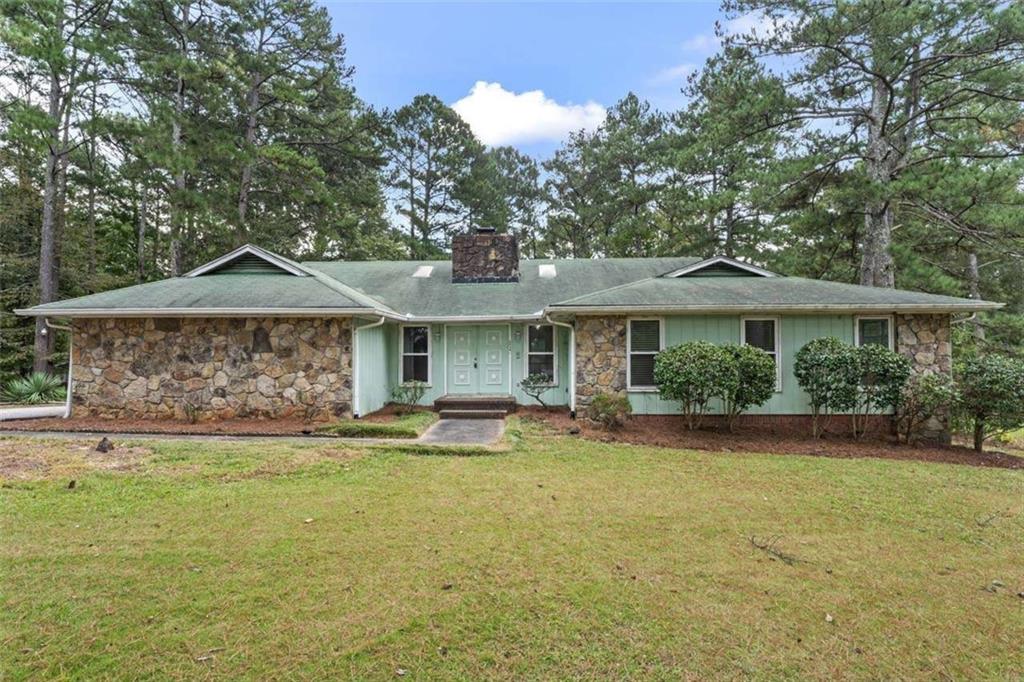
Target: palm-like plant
38 387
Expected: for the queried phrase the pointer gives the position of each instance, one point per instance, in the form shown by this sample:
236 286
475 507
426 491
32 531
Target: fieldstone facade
485 257
212 368
926 341
600 357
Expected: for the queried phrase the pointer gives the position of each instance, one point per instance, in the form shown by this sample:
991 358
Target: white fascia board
800 308
199 312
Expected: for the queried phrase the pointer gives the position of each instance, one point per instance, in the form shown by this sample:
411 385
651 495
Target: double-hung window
874 330
764 333
540 352
644 341
415 354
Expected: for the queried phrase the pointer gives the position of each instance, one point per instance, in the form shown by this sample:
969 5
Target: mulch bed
225 427
669 431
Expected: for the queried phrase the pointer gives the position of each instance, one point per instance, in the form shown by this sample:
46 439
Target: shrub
38 387
536 385
611 410
878 382
408 395
992 396
756 374
923 397
826 369
693 373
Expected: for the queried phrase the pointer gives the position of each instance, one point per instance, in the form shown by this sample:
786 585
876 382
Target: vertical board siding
372 365
557 395
437 365
797 330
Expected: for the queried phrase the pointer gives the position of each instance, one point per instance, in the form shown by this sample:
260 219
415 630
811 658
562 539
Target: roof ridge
346 290
603 291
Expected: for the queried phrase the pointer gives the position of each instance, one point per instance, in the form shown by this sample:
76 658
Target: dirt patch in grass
669 431
226 427
21 460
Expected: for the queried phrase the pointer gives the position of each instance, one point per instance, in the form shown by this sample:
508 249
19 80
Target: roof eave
200 312
978 306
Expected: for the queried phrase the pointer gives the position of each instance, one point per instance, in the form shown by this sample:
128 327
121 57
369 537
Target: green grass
404 426
557 559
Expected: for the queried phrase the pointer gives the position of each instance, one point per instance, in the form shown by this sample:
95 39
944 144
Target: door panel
478 359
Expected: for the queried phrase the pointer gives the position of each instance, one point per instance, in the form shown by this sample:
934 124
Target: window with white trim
540 352
644 342
416 354
874 330
764 333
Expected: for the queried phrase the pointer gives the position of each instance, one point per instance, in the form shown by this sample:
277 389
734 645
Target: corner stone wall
600 357
212 368
926 341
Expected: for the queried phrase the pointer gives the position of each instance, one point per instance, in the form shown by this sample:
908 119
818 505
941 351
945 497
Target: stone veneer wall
212 367
485 257
926 341
600 357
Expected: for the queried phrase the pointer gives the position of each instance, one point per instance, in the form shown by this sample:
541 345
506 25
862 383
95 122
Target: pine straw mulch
670 432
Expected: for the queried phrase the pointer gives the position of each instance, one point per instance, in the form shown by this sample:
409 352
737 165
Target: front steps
474 406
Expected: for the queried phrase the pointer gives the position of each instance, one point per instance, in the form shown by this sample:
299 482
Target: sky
527 73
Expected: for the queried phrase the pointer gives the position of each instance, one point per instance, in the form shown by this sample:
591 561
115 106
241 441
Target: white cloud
499 116
673 74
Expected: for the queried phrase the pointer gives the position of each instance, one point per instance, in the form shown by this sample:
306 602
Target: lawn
556 559
400 426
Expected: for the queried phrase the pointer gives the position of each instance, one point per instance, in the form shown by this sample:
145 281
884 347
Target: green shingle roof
758 293
390 288
392 283
215 292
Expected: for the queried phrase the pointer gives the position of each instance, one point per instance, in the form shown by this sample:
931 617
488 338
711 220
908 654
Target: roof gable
720 266
250 260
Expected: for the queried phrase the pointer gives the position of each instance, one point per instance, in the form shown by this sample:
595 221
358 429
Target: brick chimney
485 256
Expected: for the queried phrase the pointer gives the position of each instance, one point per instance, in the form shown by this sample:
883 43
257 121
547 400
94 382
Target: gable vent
248 264
424 271
547 271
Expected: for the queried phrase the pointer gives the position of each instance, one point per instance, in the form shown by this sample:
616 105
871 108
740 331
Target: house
255 334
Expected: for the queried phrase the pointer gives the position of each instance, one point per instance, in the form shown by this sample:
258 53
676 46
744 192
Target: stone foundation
212 368
600 357
926 341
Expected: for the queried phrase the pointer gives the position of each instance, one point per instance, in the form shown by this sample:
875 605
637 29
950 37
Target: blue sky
483 57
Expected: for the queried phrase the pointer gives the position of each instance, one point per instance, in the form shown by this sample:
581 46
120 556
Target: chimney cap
485 230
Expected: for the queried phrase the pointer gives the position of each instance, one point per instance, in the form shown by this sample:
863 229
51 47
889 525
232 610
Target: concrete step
453 413
504 403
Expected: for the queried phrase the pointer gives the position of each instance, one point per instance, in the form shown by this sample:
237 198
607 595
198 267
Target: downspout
355 362
572 361
71 340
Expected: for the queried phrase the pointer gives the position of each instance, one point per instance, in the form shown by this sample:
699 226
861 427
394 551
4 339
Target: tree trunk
91 256
177 208
876 266
253 101
974 291
140 236
979 434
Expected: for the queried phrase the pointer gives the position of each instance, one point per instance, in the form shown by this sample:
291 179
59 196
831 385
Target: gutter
572 361
355 362
201 312
71 355
797 308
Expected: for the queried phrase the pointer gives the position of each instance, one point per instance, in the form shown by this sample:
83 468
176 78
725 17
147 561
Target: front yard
559 558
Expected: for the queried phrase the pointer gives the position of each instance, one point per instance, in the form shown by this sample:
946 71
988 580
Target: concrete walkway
463 432
34 412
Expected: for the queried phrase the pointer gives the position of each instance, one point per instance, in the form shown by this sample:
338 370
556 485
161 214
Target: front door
478 359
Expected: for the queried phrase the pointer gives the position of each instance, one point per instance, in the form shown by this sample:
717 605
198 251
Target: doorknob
474 363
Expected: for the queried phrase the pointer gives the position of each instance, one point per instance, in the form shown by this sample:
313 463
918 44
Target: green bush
536 385
878 382
693 373
991 396
826 369
38 387
610 410
757 379
923 397
408 395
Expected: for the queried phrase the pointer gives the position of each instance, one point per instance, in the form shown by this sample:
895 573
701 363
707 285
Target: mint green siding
556 395
437 366
371 367
796 330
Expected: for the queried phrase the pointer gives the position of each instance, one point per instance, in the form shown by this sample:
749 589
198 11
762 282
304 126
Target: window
644 342
540 351
763 333
416 354
874 330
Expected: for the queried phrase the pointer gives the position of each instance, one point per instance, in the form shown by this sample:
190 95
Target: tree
431 151
756 380
577 196
826 369
536 385
992 396
877 383
517 185
923 397
882 83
